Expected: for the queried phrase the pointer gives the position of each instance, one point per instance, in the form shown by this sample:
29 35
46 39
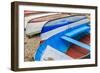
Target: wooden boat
63 36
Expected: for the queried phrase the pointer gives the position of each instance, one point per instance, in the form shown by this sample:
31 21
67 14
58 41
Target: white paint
30 17
52 53
34 28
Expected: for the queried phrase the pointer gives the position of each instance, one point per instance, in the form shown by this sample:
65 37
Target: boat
64 39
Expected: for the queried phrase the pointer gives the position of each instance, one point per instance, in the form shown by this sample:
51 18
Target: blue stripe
40 51
48 28
58 23
68 39
82 29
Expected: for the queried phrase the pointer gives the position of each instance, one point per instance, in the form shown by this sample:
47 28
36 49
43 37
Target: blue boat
60 34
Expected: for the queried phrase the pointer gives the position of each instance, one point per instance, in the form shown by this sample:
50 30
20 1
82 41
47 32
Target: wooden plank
79 52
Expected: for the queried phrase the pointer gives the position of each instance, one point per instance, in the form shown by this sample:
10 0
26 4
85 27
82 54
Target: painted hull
41 23
52 34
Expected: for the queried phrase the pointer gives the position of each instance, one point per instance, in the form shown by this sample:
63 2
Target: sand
31 45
